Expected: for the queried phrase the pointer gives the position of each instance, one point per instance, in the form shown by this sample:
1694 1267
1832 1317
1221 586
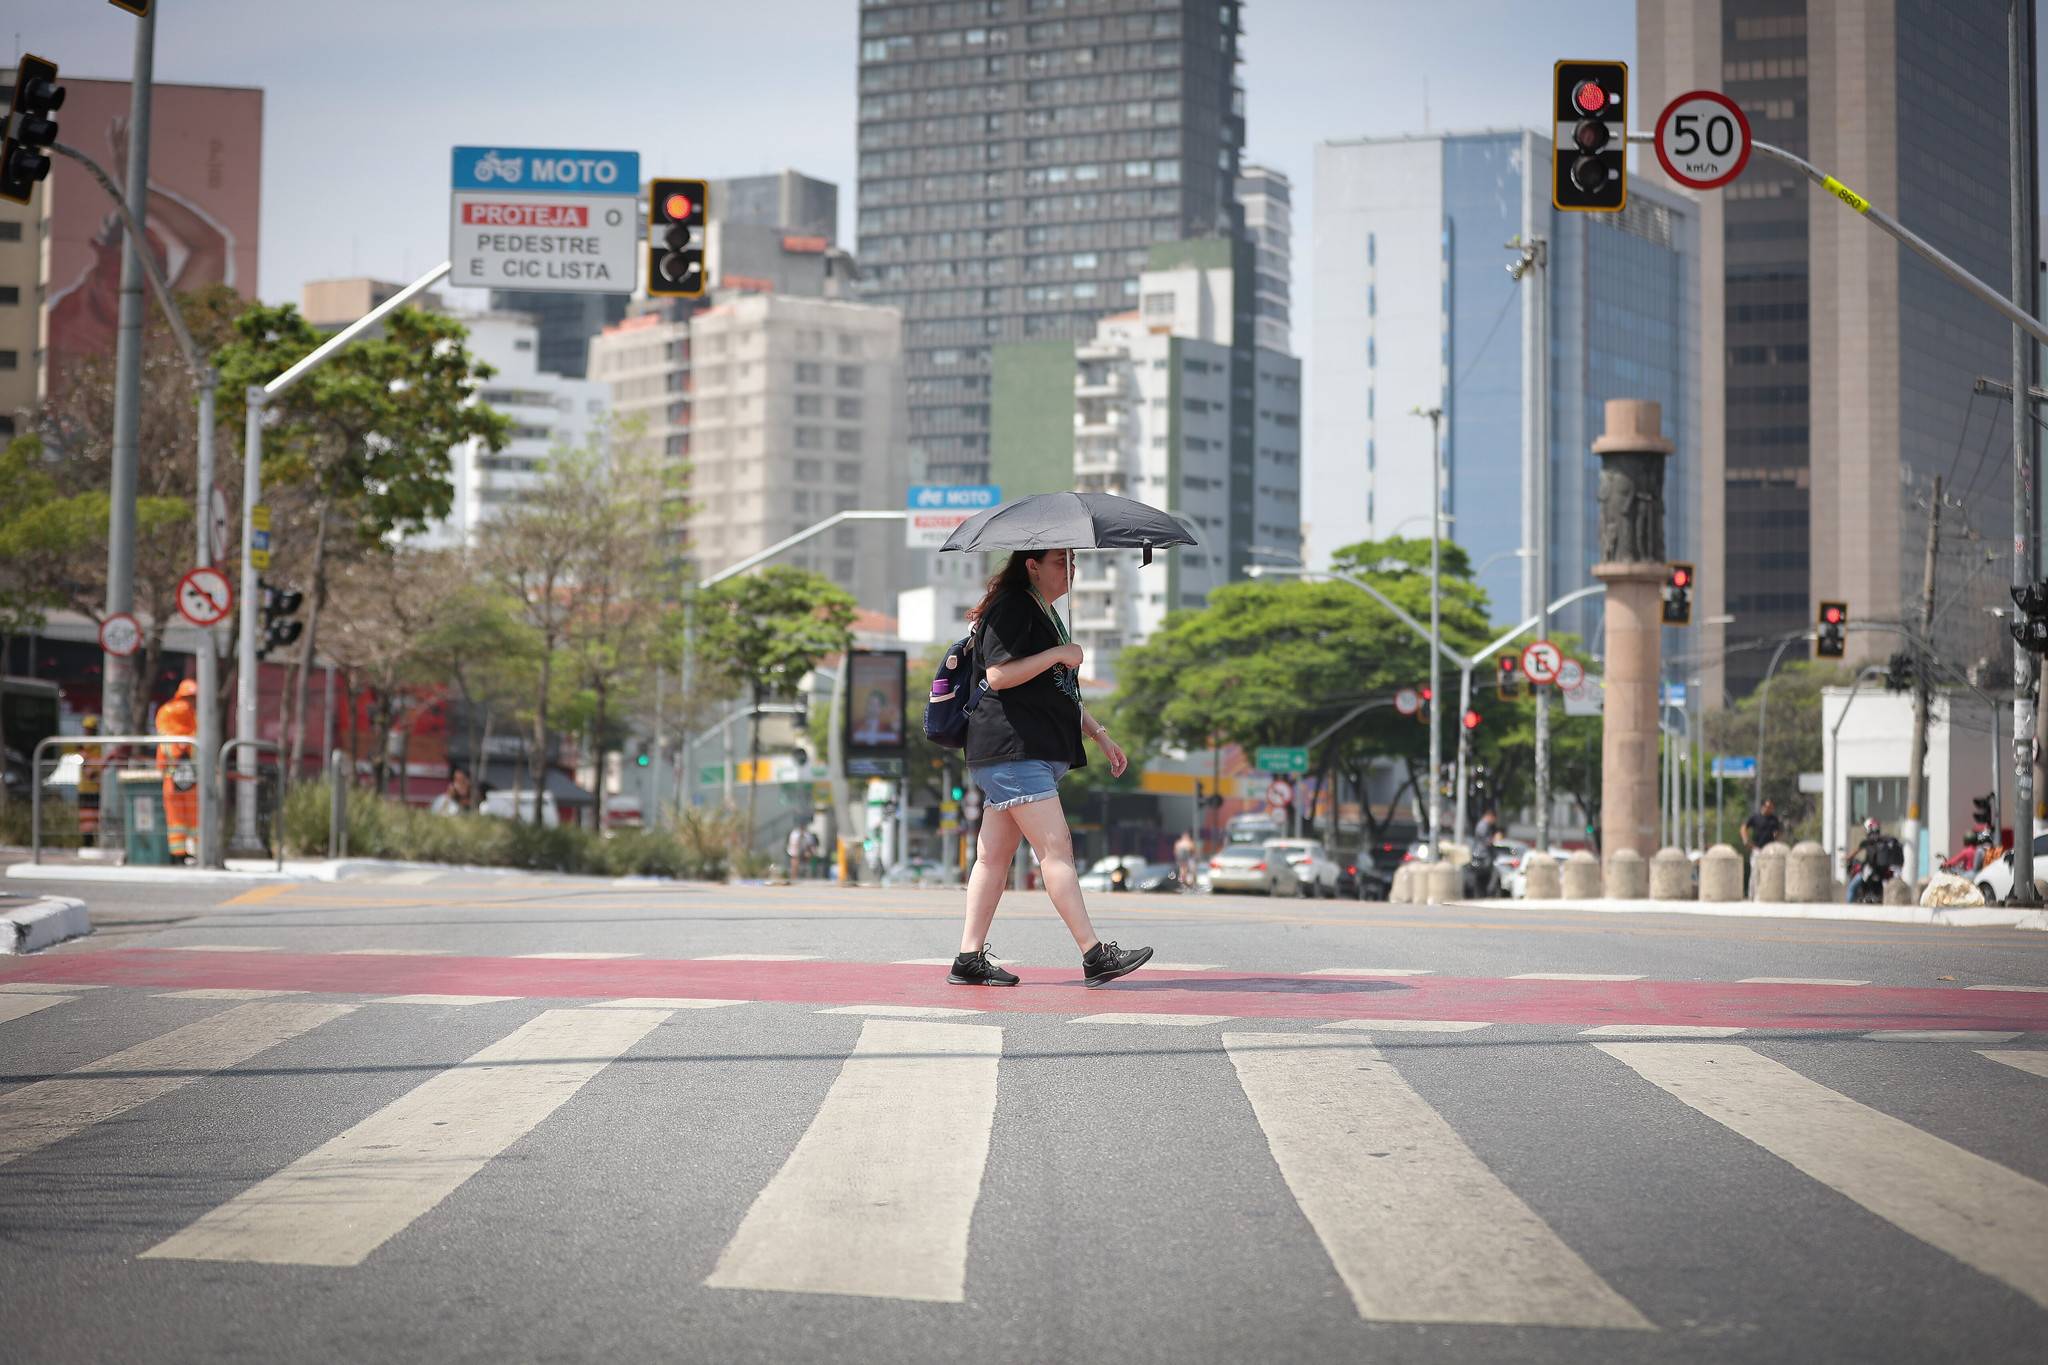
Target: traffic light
31 128
1980 810
959 791
641 758
1833 634
138 8
2030 622
1422 712
1471 720
1506 682
279 606
1678 596
1589 136
675 238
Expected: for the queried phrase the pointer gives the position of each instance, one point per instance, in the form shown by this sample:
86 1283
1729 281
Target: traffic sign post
1541 661
217 524
204 597
1703 140
1407 701
1280 794
1282 760
937 510
120 634
1570 674
544 219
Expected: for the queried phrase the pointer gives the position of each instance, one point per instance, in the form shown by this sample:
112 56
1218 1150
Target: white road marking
43 987
1573 976
1976 1210
1408 1025
1939 1035
878 1196
2036 990
1658 1031
762 957
898 1011
224 993
1371 971
347 1197
394 952
1169 1020
441 999
225 948
45 1111
2035 1062
662 1002
1416 1225
1798 981
1182 966
574 957
14 1007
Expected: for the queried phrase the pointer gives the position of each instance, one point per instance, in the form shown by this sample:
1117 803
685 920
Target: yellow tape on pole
1846 195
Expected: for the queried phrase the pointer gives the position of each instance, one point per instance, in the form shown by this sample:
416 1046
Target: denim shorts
1017 781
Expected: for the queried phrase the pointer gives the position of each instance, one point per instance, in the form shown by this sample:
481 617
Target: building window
10 360
809 372
1158 305
10 294
846 409
810 469
809 438
846 471
848 439
849 376
810 405
10 232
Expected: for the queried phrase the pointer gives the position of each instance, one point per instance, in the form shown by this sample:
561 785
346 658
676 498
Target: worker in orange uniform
180 716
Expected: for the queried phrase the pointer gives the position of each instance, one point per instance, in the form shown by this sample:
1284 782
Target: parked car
1315 871
500 802
1097 877
1253 827
1248 867
1360 878
1517 874
1995 880
1156 877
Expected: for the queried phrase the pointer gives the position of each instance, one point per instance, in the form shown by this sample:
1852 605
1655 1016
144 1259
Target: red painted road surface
1046 990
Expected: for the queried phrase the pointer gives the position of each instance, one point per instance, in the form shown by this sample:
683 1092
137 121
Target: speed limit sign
1703 140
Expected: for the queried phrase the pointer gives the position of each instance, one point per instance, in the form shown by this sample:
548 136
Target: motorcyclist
1874 856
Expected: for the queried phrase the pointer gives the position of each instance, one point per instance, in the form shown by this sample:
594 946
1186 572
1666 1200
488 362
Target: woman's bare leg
1044 823
993 851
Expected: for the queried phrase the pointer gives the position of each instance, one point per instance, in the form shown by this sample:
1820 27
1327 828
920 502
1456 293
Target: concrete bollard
1445 881
1767 873
1398 893
1671 876
1627 876
1541 879
1807 874
1721 874
1899 891
1580 877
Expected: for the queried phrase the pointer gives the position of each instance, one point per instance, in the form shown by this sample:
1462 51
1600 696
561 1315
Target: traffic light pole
259 397
1536 257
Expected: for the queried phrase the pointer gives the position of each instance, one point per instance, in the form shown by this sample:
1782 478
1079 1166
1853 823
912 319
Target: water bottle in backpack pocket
957 688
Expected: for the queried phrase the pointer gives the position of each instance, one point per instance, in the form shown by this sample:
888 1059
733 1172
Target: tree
763 632
382 608
1794 739
364 439
477 640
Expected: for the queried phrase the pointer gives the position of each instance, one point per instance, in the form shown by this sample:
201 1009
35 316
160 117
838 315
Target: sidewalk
239 871
1965 917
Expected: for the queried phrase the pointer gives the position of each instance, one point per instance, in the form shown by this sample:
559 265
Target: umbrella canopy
1072 521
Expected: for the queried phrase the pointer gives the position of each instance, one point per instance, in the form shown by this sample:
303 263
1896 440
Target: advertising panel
875 703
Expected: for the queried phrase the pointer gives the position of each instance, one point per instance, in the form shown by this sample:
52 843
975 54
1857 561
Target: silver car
1314 870
1248 867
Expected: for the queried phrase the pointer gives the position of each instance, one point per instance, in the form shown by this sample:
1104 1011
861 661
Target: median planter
1444 882
1721 875
1627 876
1581 877
1542 881
1767 873
1401 892
1807 879
1671 876
1899 891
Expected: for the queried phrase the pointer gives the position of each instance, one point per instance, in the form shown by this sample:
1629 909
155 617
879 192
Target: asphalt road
468 1117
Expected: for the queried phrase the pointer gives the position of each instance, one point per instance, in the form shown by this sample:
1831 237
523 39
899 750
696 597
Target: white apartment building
547 412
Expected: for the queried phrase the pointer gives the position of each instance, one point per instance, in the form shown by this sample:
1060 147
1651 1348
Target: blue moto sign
544 170
937 509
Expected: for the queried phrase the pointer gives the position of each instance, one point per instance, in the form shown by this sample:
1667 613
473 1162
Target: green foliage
60 823
1794 742
764 631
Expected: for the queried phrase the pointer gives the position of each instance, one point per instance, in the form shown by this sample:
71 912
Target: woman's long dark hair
1012 577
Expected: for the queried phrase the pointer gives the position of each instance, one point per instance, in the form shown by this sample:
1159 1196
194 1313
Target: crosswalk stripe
899 1011
343 1200
574 957
2035 990
225 948
878 1196
1940 1035
46 987
1160 1020
1409 1025
1416 1225
225 993
45 1111
760 957
441 999
1974 1209
2036 1062
1799 981
1371 971
662 1002
1658 1031
14 1007
394 952
1573 976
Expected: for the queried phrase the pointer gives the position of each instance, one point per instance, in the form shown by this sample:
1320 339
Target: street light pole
2025 672
1535 256
1436 624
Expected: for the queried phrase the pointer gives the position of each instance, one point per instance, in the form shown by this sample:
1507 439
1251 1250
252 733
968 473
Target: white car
1315 871
1096 878
1516 882
1249 867
1994 879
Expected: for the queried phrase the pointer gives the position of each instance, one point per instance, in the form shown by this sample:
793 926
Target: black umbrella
1072 521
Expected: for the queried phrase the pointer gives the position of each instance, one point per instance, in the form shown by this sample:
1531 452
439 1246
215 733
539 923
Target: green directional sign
1282 760
711 776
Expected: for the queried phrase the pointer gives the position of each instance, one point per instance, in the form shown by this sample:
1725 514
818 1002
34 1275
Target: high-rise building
789 200
1839 367
24 321
564 324
1150 408
1416 311
1017 160
1268 199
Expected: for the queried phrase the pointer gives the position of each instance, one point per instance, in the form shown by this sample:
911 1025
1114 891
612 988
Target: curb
37 925
1959 917
237 873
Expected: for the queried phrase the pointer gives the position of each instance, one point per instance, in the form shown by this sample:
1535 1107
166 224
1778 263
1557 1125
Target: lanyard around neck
1057 624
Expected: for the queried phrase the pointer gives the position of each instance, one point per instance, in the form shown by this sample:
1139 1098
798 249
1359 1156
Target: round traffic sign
1280 793
1703 139
1407 702
1570 674
120 635
1541 661
204 597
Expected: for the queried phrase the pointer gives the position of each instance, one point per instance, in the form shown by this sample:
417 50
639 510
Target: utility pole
1535 256
1916 781
2026 679
1436 624
117 700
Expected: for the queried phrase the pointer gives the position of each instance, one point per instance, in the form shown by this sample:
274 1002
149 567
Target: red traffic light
1508 663
1589 98
1833 616
1423 692
1471 720
1681 578
676 207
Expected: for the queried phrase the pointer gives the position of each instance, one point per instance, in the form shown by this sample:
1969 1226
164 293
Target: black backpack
958 686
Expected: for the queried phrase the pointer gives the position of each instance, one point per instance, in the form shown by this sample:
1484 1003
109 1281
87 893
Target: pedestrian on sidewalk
1184 860
1022 738
797 845
1762 828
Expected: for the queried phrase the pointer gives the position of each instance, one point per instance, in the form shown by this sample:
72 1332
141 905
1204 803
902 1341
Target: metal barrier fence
127 795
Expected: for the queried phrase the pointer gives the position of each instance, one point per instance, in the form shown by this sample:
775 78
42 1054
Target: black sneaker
976 969
1107 962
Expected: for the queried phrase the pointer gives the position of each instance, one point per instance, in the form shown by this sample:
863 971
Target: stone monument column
1632 452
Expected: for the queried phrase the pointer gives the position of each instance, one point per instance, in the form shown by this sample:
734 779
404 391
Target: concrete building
789 200
1146 409
1268 199
24 318
1870 752
331 305
549 412
788 410
1839 366
1017 160
565 323
1416 311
